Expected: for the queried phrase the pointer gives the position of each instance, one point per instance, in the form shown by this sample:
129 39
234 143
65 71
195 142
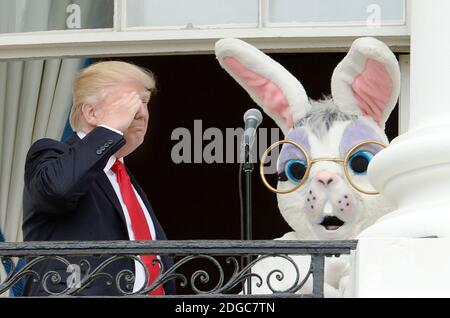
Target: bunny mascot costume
332 143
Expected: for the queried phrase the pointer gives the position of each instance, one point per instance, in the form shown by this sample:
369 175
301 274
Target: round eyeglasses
294 167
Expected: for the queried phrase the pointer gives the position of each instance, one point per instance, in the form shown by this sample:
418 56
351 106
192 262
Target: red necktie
139 223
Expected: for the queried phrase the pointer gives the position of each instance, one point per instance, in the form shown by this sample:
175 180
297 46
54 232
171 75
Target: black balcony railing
224 259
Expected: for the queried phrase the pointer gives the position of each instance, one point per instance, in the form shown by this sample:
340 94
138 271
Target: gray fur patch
322 115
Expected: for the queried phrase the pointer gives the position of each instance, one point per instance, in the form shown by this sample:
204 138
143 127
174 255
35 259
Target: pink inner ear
373 89
268 92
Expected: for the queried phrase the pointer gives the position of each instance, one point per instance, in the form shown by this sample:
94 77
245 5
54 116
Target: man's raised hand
118 113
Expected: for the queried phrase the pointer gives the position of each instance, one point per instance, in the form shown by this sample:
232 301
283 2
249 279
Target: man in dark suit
80 190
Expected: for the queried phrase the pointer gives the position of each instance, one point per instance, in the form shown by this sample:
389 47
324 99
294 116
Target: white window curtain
35 99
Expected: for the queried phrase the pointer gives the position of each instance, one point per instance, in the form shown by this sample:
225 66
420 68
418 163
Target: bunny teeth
332 223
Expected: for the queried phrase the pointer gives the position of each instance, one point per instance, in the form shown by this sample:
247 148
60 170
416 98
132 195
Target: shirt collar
81 134
110 163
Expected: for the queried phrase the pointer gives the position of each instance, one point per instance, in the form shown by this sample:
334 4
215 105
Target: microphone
252 119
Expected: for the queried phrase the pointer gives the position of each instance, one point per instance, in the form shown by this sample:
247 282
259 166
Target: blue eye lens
295 170
359 161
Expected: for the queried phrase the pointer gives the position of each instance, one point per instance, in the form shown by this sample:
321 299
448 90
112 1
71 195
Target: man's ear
89 115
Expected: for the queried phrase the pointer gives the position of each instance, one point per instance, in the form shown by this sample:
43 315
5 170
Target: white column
414 171
408 268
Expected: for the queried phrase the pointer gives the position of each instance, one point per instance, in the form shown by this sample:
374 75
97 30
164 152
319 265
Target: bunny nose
325 177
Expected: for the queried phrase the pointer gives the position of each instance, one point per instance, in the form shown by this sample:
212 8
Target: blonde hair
90 83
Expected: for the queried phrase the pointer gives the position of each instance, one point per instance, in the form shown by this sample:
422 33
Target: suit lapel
108 189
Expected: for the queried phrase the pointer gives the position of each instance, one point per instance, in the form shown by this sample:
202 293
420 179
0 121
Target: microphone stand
252 119
247 220
246 216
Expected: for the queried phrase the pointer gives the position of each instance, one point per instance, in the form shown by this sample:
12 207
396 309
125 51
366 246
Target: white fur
362 210
261 64
336 268
292 205
345 72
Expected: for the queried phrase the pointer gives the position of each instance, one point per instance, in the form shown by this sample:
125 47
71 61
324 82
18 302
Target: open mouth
332 223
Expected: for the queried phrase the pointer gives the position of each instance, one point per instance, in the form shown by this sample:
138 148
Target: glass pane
157 13
291 11
45 15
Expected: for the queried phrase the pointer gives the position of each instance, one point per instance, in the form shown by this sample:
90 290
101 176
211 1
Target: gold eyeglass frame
309 163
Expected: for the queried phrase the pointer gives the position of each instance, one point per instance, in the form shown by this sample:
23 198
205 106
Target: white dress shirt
139 270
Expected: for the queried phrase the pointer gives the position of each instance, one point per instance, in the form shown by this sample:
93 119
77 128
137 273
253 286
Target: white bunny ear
269 84
367 80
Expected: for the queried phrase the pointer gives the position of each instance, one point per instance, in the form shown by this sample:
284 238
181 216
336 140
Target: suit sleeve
58 175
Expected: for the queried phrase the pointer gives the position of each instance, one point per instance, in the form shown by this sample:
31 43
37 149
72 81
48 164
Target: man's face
135 133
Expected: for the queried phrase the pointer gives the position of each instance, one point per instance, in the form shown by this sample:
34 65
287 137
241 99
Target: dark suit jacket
68 197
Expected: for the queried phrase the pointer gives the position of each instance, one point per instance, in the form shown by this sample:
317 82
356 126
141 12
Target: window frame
264 9
122 41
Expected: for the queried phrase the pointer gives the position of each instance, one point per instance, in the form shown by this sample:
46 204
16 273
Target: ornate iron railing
225 258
